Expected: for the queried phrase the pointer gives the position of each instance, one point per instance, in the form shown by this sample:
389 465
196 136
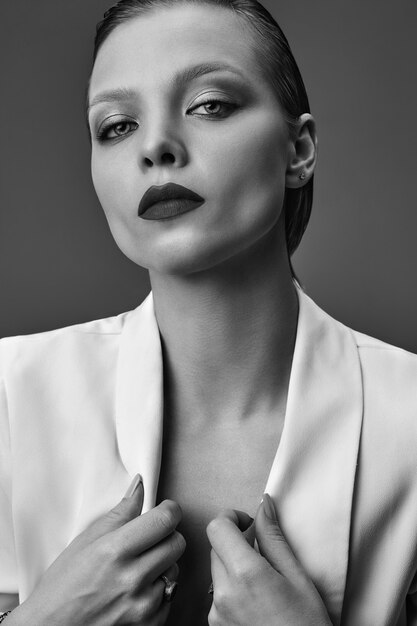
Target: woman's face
176 96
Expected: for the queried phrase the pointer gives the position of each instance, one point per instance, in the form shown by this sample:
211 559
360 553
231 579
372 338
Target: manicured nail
134 486
269 507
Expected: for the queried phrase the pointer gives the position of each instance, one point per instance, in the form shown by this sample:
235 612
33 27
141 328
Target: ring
170 588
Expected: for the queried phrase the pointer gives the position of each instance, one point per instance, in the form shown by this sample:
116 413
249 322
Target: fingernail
269 507
134 486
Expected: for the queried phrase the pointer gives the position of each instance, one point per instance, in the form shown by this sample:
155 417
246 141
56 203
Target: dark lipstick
169 200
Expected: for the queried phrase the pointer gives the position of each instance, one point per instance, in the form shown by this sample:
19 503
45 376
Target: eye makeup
216 98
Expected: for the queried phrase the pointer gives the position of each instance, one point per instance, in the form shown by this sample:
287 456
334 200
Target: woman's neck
228 335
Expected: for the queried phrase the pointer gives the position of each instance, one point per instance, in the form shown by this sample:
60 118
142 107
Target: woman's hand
269 588
110 573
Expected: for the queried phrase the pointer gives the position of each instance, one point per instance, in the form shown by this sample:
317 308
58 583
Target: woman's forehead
165 41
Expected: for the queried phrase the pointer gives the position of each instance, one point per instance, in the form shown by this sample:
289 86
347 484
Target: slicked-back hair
278 64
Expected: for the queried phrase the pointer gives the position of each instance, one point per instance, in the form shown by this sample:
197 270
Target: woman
226 383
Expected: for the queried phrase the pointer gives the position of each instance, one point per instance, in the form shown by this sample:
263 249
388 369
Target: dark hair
278 64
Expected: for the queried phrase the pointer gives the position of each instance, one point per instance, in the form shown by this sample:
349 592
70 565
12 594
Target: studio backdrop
358 259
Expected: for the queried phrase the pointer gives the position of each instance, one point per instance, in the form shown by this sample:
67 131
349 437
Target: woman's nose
162 150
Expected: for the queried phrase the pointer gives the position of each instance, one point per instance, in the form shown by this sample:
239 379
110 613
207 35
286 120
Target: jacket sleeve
8 567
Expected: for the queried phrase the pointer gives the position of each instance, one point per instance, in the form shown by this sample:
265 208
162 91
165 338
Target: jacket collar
313 473
139 398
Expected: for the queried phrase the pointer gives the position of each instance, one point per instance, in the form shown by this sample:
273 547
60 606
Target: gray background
58 262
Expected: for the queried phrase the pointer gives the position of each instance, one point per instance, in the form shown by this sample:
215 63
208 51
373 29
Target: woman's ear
302 156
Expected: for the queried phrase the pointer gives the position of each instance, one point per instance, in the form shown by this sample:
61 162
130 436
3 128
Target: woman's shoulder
105 325
88 343
389 379
387 368
366 342
36 347
377 355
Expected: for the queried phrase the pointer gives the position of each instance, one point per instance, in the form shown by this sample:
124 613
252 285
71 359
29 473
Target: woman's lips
170 208
169 200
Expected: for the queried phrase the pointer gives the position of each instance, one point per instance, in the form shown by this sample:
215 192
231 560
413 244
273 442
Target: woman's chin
179 261
179 265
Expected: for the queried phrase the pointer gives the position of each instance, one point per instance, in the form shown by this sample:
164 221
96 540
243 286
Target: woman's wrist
20 616
14 618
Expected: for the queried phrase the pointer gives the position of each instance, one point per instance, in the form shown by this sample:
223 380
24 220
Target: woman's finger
129 508
230 545
219 574
172 572
272 542
149 606
155 561
241 519
144 531
166 583
151 601
219 584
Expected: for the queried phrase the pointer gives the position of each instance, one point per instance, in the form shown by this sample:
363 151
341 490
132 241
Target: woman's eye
115 130
213 108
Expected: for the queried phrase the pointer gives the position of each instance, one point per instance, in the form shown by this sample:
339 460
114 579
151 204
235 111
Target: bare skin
220 439
217 473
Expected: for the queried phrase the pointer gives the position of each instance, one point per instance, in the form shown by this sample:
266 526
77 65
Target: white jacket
81 412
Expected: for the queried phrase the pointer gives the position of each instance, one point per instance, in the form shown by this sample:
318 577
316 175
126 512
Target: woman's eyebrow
195 71
182 77
111 95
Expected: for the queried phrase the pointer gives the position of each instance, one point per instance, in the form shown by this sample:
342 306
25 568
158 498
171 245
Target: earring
302 175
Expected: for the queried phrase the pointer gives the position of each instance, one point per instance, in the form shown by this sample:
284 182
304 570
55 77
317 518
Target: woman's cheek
111 184
102 184
254 177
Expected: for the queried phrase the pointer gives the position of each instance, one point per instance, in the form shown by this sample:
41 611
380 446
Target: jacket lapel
313 474
139 398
